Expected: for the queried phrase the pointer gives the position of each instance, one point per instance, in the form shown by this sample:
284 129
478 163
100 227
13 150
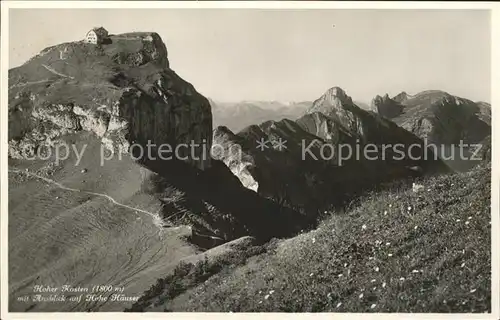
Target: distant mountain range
331 120
125 221
238 115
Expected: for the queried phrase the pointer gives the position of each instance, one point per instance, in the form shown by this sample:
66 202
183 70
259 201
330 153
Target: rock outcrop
227 147
367 127
401 97
484 149
386 106
325 127
237 116
123 91
437 116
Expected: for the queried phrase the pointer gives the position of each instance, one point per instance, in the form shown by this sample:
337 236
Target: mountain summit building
96 35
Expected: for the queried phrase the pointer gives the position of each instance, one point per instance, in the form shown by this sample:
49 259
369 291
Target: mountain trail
55 72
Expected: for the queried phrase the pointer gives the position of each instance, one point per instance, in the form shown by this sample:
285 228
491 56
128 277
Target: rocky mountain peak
402 96
121 89
337 97
334 100
338 106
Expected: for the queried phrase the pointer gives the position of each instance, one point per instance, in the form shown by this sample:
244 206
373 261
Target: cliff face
338 106
123 91
386 106
240 162
237 116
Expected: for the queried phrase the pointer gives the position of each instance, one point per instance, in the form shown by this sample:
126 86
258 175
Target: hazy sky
291 55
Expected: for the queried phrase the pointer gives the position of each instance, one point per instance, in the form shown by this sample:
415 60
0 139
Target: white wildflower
417 187
385 212
473 290
390 254
409 208
361 296
384 284
377 269
339 304
363 227
266 296
462 265
402 279
373 306
271 292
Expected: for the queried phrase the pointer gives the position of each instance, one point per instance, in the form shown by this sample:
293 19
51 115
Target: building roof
100 31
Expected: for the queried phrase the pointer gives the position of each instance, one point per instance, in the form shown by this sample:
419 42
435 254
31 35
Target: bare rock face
123 91
439 117
386 106
337 105
485 151
422 127
297 163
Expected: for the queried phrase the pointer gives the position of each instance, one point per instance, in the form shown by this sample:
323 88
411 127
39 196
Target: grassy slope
432 258
61 237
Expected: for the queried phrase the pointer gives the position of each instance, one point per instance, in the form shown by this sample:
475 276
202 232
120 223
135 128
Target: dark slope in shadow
239 211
